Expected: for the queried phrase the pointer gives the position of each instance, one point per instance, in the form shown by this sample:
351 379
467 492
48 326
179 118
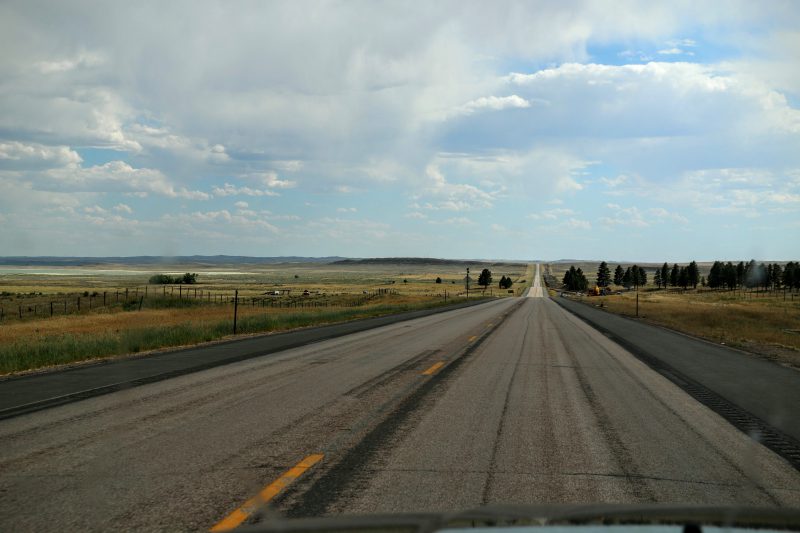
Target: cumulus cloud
270 106
17 155
452 196
493 103
232 190
624 217
114 176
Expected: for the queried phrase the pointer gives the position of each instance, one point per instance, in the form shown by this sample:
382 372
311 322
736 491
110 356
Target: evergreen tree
642 277
575 280
626 278
665 274
777 276
618 273
485 278
693 274
740 274
683 277
569 275
791 275
603 275
657 278
729 275
673 275
715 275
581 282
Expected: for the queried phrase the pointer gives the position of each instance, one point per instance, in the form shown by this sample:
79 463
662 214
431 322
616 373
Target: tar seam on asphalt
620 452
501 424
747 423
326 489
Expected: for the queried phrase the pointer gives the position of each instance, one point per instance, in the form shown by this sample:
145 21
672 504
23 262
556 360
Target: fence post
126 294
235 309
79 303
20 312
65 307
104 298
140 302
51 309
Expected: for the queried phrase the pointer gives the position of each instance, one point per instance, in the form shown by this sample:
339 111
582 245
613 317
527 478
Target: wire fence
19 307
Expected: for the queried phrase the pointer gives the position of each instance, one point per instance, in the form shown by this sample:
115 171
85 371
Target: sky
649 131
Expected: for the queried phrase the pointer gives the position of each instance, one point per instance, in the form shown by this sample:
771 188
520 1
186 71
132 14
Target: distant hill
420 261
155 260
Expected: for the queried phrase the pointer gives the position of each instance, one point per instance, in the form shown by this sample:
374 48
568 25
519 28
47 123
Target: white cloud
219 220
707 97
346 209
624 217
114 176
95 209
452 196
492 103
82 60
673 51
551 214
577 224
17 155
270 180
232 190
615 182
241 205
662 214
123 208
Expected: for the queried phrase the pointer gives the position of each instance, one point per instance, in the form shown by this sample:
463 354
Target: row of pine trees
722 275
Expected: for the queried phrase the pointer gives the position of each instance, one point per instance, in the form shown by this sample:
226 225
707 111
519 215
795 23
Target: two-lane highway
513 401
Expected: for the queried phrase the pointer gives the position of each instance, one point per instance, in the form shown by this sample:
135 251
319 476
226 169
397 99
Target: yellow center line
241 514
432 370
473 338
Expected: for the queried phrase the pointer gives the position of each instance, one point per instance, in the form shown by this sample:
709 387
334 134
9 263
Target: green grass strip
46 351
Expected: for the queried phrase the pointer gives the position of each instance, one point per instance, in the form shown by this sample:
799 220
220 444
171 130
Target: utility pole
235 309
467 283
637 304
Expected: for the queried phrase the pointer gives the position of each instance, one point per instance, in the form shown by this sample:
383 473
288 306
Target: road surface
513 401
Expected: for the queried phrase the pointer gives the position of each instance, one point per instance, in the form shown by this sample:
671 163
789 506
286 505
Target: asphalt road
515 401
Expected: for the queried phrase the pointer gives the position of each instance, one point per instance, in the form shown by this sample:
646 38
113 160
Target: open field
766 323
107 311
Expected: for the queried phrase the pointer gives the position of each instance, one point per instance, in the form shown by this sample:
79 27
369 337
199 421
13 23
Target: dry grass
65 340
337 294
769 325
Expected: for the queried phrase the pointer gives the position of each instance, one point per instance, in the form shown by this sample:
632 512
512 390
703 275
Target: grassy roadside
45 349
769 327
